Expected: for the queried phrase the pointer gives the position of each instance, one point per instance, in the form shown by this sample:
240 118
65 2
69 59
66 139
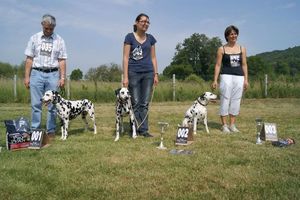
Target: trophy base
258 142
161 146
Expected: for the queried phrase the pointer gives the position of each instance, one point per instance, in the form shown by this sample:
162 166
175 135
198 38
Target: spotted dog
124 108
68 110
198 111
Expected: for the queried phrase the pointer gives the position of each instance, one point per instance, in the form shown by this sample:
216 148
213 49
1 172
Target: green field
88 166
103 92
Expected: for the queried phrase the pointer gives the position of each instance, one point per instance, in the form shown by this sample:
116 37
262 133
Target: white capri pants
231 91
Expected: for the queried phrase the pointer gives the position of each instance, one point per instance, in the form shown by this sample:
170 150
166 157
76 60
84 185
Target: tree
93 75
181 71
282 67
104 73
111 73
6 70
76 75
257 67
197 51
115 73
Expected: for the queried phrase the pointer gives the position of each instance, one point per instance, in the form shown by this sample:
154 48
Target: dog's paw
116 139
63 137
134 136
195 133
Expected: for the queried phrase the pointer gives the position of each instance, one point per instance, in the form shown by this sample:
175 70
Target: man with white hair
45 69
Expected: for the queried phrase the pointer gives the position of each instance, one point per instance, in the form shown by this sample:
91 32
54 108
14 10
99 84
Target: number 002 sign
182 135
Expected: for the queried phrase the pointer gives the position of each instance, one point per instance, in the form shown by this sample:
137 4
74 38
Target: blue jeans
40 82
140 88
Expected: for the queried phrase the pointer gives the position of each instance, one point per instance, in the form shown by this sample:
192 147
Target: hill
288 58
281 55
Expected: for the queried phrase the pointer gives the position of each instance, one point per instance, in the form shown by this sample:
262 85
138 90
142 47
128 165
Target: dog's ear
129 95
56 96
202 96
117 91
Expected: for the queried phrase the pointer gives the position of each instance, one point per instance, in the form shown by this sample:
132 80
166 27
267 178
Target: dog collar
202 103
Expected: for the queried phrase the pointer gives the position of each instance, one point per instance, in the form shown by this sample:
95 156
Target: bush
193 78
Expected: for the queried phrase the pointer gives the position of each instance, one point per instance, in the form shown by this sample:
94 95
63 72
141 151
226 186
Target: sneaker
225 129
233 128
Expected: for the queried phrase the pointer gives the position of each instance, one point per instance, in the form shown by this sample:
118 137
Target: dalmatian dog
124 108
68 110
198 111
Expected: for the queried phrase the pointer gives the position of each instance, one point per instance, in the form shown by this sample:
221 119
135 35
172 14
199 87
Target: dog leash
61 91
137 123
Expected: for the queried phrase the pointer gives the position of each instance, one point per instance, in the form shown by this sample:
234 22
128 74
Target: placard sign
36 139
269 132
183 136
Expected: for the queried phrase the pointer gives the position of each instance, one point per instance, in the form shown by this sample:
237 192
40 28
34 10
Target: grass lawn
88 166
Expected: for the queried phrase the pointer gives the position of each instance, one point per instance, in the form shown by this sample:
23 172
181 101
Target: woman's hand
214 85
155 79
125 82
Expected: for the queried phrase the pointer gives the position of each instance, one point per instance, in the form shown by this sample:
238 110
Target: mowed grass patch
89 166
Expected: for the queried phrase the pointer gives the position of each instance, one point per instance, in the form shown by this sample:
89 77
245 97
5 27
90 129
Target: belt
46 70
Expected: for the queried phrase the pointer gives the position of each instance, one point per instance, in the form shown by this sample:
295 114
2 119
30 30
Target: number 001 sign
36 139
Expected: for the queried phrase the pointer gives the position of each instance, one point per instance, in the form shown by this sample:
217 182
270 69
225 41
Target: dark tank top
232 64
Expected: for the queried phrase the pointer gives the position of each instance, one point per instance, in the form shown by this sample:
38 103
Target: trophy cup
259 125
162 125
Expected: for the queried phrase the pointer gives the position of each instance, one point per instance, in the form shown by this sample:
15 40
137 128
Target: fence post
15 87
174 87
266 85
68 86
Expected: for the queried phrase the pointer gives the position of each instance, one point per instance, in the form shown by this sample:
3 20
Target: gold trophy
163 126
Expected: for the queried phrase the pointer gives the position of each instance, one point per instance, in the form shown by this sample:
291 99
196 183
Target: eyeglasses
145 22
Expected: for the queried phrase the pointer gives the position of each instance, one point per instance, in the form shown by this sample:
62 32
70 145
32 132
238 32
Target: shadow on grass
78 131
127 130
214 125
211 125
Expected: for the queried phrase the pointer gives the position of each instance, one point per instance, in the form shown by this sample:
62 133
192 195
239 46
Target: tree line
194 57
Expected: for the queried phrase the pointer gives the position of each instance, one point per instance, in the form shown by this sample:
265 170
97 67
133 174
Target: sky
94 30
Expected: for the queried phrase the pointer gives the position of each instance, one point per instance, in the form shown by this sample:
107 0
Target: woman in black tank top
231 65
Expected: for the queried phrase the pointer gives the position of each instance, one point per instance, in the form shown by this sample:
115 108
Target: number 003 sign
269 132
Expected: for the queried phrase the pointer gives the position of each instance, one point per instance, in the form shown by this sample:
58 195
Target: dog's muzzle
46 103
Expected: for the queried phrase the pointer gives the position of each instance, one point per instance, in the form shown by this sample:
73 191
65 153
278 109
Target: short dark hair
138 19
228 31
